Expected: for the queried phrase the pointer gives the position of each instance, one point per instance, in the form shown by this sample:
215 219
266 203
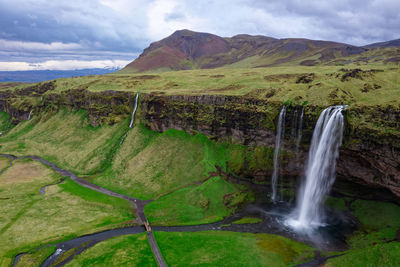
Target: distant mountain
393 43
186 49
45 75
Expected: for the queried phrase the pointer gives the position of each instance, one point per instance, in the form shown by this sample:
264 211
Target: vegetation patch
196 204
63 212
213 248
377 255
247 220
131 250
36 257
379 222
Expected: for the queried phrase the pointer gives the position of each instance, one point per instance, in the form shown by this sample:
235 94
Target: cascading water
30 114
134 110
320 170
279 134
299 130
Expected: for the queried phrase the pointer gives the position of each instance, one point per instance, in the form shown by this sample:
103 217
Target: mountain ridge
186 49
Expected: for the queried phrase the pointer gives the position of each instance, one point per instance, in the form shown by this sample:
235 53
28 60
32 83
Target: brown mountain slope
186 49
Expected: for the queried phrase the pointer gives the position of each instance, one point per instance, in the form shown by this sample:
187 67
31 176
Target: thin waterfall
30 114
280 132
299 131
320 170
134 110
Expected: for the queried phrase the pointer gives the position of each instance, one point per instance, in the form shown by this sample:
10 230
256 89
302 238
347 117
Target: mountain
392 43
186 49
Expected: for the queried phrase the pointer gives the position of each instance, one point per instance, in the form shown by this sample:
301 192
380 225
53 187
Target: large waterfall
134 110
320 169
279 134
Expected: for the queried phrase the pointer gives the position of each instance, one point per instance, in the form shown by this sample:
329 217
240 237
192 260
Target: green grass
36 257
5 123
29 219
213 248
379 255
132 250
65 138
379 222
150 164
246 220
196 204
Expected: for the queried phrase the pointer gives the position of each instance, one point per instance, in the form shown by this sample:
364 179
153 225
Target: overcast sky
70 34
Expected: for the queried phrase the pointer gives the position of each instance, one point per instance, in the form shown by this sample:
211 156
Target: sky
77 34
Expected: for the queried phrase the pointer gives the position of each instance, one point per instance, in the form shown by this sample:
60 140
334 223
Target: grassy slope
132 250
150 164
65 138
230 249
29 219
209 202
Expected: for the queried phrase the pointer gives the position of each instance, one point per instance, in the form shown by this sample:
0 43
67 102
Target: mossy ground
36 257
246 220
213 248
196 204
29 219
132 250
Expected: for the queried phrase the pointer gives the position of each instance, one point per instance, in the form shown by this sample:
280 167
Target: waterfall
134 110
320 169
299 130
279 134
30 114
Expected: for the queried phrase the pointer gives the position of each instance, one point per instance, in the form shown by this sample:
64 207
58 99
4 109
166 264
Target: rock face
370 154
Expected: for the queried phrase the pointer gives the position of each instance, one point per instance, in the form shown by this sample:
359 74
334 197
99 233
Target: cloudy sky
70 34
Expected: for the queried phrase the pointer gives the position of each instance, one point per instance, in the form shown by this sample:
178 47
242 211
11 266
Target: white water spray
320 170
134 110
279 134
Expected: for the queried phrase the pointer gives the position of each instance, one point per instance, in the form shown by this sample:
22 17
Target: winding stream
272 224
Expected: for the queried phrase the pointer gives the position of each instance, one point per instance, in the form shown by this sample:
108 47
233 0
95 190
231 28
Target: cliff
370 154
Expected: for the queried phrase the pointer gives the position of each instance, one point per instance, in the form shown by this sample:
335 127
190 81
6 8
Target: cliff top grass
368 84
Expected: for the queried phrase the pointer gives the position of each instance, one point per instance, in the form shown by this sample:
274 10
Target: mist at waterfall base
307 218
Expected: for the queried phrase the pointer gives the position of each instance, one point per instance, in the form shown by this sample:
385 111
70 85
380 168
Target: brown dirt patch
22 172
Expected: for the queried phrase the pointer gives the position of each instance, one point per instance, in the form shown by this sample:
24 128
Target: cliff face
370 154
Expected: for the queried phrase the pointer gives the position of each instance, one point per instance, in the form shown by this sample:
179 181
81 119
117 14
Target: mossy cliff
370 154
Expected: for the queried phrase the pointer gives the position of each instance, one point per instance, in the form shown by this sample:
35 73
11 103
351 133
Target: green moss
209 202
379 222
246 220
132 250
212 248
36 257
378 255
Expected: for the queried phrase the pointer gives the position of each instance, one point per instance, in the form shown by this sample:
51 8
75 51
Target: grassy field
378 255
375 84
29 219
209 202
132 250
212 248
65 138
36 257
379 223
